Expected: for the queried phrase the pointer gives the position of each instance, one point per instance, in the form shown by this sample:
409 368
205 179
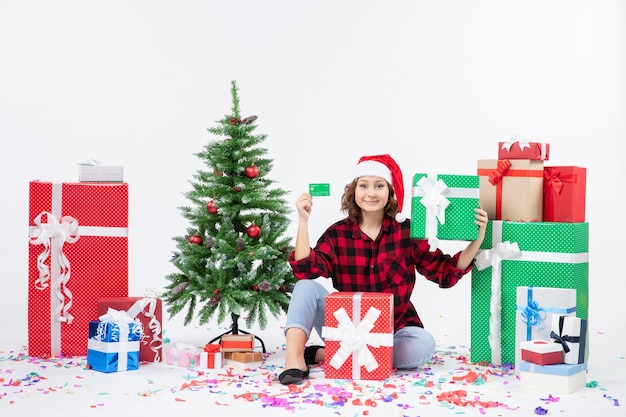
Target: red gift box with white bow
358 334
524 149
78 253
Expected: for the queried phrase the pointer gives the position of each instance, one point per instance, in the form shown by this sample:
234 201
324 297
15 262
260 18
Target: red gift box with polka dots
358 333
78 254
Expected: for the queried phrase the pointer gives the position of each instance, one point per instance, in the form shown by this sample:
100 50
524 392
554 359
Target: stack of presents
529 295
234 350
78 303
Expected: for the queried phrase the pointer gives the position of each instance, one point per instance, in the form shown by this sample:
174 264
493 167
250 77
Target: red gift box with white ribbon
523 149
149 310
78 253
358 334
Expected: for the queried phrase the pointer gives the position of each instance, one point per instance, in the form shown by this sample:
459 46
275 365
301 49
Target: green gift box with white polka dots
553 255
460 196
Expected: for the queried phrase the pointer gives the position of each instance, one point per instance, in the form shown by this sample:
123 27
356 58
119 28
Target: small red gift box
149 311
564 192
358 334
78 254
237 343
521 149
541 352
511 190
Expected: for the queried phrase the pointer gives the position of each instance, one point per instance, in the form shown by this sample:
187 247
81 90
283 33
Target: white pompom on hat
385 167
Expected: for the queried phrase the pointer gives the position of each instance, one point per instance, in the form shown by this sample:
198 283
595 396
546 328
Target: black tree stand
234 329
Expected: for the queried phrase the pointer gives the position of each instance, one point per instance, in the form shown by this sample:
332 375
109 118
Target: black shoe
293 376
309 354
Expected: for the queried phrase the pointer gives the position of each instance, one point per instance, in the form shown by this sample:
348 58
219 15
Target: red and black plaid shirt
357 263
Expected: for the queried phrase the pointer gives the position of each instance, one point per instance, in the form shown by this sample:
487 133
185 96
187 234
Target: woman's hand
481 221
303 206
468 254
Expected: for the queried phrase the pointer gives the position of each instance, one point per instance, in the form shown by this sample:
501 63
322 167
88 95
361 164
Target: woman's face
371 194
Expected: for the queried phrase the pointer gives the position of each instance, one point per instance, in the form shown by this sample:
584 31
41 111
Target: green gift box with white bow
442 207
514 254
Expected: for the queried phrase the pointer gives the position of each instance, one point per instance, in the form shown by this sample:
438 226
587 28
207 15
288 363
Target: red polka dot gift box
78 254
358 334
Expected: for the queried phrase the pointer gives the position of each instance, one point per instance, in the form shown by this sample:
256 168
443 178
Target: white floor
64 387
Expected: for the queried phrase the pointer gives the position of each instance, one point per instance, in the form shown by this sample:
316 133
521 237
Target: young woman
369 250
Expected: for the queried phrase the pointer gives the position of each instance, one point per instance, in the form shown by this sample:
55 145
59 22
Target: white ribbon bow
522 140
435 202
53 234
356 339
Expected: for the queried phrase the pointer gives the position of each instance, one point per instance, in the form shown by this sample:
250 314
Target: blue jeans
412 346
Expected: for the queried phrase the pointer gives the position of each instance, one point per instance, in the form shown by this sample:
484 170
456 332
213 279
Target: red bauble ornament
195 240
211 207
216 291
255 287
252 171
253 231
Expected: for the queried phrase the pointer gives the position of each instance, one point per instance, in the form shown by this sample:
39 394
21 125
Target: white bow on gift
493 257
524 142
435 202
356 339
53 234
119 334
89 162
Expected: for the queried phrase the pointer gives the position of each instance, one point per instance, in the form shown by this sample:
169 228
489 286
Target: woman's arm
303 246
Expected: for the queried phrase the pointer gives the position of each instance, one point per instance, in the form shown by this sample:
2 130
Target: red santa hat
385 167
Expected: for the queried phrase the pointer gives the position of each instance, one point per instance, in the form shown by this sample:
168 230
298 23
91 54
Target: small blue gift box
113 346
562 378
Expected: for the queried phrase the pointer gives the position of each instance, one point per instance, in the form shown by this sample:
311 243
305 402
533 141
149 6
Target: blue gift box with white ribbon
113 344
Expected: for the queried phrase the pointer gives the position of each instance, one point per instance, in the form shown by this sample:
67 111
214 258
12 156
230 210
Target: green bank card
319 190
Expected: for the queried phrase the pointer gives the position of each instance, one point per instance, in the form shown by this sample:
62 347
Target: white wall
434 83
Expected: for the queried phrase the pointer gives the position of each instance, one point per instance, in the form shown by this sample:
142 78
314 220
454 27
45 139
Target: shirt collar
385 228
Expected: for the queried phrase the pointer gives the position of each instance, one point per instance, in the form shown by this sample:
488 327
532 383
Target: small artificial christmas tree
234 256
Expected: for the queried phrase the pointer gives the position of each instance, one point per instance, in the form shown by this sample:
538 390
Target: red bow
211 348
552 180
501 169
